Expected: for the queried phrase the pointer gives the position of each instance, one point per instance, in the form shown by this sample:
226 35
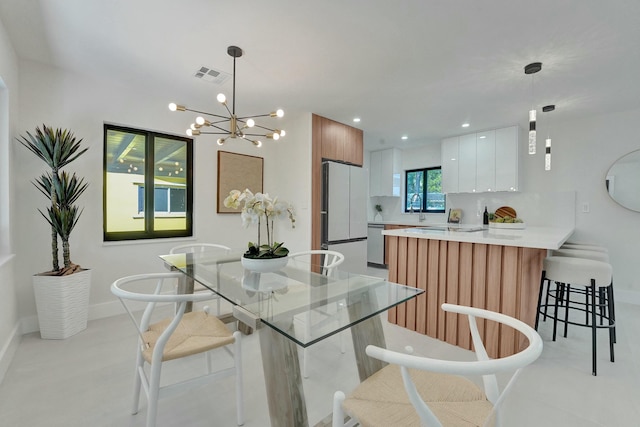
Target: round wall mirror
623 181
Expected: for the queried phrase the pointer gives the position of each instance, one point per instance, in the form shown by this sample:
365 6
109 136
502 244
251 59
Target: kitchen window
423 190
148 184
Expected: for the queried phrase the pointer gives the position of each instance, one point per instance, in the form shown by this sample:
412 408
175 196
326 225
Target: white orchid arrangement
256 209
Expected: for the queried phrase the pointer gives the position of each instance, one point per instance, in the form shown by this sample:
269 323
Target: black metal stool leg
540 301
566 308
592 292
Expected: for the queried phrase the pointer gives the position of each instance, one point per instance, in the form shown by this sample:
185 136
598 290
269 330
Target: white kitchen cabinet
467 164
449 164
507 167
486 161
385 173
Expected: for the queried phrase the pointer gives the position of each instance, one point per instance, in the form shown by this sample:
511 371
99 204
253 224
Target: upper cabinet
385 173
340 142
450 162
481 162
507 169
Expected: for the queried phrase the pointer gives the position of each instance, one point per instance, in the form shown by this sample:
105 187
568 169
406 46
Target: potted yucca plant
62 293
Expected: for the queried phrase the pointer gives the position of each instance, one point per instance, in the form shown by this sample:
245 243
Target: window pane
170 172
435 198
124 163
161 200
178 200
414 186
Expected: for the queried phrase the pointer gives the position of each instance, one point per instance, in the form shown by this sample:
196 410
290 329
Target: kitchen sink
445 227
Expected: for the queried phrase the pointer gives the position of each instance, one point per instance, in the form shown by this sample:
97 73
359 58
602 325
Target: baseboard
628 297
8 350
29 324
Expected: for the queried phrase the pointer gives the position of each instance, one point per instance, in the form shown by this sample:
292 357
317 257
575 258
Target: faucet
421 216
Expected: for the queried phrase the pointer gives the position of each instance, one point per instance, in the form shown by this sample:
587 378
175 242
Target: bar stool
585 247
590 275
596 255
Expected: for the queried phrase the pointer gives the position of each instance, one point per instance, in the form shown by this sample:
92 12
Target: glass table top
302 300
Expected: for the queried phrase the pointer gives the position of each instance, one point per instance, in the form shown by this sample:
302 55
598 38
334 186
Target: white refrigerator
344 214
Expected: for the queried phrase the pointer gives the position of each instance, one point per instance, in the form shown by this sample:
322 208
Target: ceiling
414 67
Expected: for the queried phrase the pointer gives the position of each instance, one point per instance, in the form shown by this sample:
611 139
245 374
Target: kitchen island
496 269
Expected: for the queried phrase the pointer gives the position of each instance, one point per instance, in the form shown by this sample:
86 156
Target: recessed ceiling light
405 137
357 119
483 137
465 125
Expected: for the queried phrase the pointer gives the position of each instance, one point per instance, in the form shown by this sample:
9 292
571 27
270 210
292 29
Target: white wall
60 99
9 331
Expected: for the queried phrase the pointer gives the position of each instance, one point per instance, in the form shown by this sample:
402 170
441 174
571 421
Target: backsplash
535 209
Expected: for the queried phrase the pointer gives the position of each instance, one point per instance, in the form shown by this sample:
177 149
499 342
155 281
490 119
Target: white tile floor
86 380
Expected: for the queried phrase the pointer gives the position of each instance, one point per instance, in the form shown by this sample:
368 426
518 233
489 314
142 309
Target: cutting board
505 211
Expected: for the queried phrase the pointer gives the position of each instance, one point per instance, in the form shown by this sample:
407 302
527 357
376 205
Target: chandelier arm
225 119
215 133
227 107
265 128
255 134
254 116
254 142
219 128
204 112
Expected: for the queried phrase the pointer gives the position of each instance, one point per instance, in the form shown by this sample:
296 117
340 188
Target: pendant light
547 143
532 68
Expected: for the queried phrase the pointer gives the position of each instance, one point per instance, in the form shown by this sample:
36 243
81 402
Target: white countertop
530 237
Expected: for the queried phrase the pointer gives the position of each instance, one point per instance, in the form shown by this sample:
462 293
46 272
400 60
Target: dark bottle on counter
485 218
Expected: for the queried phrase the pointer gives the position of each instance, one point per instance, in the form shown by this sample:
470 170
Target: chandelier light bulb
258 143
220 141
200 120
251 123
282 132
280 113
175 107
221 98
189 132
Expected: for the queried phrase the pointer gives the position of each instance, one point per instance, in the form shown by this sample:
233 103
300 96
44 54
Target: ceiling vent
211 75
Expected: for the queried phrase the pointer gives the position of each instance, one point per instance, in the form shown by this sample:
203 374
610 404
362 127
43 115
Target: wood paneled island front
495 269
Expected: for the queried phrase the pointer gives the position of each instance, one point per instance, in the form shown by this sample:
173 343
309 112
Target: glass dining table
276 303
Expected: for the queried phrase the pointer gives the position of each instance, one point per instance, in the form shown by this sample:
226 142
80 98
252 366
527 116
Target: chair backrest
198 248
483 366
154 288
329 259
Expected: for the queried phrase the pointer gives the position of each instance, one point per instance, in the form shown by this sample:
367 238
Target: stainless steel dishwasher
375 245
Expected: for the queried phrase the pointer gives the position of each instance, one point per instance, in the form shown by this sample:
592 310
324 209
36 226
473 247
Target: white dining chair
202 248
414 390
175 336
329 260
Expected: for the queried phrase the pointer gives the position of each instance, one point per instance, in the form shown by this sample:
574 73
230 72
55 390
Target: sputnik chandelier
237 126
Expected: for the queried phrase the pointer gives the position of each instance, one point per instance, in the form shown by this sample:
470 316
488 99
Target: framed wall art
237 172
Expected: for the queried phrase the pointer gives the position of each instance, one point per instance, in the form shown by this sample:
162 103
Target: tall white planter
62 303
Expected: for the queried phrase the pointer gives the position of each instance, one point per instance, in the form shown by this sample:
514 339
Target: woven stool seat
196 333
380 400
